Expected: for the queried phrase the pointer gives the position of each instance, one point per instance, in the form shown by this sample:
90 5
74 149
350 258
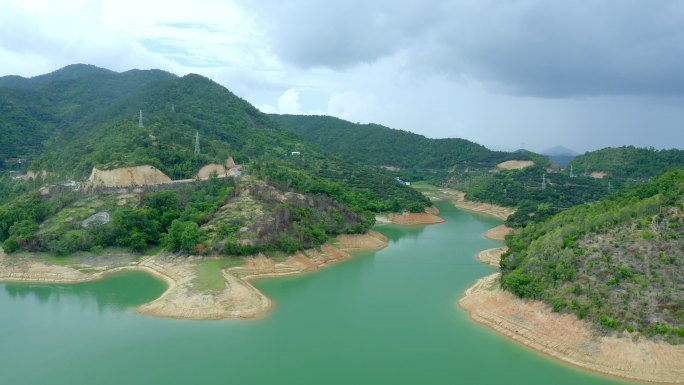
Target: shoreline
239 299
498 212
408 219
491 257
563 337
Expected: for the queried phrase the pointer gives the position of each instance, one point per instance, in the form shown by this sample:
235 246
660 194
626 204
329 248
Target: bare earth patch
598 174
515 164
563 336
415 219
128 176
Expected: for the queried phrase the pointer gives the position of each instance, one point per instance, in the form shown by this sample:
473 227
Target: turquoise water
387 317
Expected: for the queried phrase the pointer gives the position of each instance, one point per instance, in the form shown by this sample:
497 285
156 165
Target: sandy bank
499 212
498 233
238 299
570 340
425 218
491 257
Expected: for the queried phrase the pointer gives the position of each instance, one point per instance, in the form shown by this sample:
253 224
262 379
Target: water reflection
394 232
117 292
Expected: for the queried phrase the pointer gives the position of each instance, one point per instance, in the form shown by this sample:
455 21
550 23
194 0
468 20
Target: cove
387 317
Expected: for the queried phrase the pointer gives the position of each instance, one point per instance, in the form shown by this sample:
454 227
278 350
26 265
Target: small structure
295 153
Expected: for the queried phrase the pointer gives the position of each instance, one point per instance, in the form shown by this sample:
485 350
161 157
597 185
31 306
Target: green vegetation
209 274
416 157
82 117
466 166
625 165
523 189
617 262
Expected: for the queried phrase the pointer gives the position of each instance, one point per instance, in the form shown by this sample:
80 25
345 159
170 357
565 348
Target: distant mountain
559 150
413 156
560 155
628 164
70 72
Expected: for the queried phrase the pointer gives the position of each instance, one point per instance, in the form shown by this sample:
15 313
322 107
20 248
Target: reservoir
387 317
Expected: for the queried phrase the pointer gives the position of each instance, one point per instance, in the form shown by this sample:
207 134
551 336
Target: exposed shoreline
499 212
239 298
426 218
564 337
491 257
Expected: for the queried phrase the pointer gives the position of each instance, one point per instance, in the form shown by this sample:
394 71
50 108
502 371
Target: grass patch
209 277
153 250
425 187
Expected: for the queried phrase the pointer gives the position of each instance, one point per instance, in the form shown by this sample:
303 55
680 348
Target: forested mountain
618 262
537 192
81 117
625 165
414 156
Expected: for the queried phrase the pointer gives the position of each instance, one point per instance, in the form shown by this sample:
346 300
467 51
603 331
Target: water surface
387 317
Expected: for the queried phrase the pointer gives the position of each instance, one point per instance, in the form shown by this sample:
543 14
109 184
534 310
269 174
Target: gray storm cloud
523 47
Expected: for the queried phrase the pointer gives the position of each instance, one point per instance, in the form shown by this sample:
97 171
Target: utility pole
140 121
197 146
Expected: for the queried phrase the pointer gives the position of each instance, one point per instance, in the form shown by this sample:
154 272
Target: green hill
628 164
81 117
415 156
618 262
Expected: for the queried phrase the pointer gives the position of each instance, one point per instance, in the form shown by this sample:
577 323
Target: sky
507 74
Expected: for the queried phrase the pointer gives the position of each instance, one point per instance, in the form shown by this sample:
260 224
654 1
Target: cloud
340 34
522 47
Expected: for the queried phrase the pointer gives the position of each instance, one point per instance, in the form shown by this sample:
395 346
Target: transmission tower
140 121
197 147
544 182
173 107
572 173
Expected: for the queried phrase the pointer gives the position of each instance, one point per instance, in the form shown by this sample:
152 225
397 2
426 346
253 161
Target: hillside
454 163
82 117
628 164
411 156
618 263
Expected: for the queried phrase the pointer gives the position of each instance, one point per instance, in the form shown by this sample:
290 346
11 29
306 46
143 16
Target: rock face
127 176
515 164
101 218
221 170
